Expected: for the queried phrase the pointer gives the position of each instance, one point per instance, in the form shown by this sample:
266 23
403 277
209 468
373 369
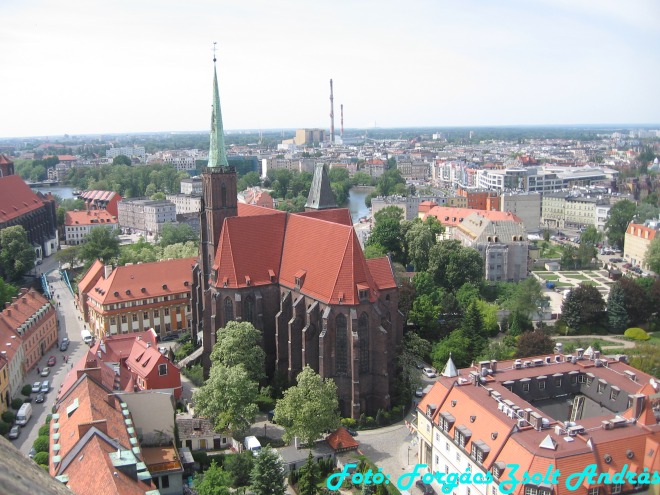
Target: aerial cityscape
443 279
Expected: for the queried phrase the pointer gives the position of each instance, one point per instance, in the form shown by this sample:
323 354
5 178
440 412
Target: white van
253 444
86 336
24 414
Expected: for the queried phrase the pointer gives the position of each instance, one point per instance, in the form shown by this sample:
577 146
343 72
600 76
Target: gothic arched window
229 310
224 195
249 309
363 338
341 345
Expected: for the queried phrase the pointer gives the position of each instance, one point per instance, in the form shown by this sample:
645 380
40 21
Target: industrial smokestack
341 107
332 115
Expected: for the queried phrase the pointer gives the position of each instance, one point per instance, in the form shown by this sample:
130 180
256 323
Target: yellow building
637 241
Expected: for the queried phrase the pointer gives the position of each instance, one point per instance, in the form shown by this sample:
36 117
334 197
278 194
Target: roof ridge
339 271
286 232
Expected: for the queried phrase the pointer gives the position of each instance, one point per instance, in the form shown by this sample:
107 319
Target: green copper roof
217 153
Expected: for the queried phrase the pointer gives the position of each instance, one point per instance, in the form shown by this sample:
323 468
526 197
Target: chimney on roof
8 311
107 270
637 404
536 420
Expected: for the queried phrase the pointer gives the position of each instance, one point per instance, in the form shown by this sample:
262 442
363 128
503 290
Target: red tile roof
641 231
89 217
144 358
91 277
160 278
381 271
16 198
336 215
341 439
4 159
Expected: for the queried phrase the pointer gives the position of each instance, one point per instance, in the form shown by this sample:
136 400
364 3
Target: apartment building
637 239
564 209
526 206
563 412
78 224
145 215
192 185
185 203
135 298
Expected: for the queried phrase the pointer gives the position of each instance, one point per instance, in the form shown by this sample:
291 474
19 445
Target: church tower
219 201
219 195
6 166
320 195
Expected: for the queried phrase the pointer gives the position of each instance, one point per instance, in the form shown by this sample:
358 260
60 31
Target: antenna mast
332 115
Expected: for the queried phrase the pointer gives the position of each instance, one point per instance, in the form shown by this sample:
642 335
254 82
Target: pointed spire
217 153
450 368
320 196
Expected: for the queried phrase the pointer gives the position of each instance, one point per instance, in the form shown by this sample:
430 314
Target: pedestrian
38 372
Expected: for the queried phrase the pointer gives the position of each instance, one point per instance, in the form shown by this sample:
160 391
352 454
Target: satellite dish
653 383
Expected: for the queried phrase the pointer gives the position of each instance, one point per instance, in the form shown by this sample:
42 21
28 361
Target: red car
51 361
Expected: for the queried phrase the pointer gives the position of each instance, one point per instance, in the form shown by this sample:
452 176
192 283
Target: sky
122 66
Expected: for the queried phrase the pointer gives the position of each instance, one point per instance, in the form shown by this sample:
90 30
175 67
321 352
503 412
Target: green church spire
217 153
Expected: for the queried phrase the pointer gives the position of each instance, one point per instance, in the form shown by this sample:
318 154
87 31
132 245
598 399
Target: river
356 206
63 192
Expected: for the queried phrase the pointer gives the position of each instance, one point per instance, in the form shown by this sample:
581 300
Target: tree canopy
173 233
620 216
534 344
267 477
7 291
653 255
214 481
584 306
617 315
228 398
309 408
239 343
100 243
16 254
453 265
121 160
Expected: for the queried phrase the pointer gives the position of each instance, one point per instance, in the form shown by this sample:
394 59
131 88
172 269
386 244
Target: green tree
455 344
413 350
387 233
239 467
175 251
214 481
309 408
620 216
121 160
646 211
646 357
419 239
41 458
361 179
68 255
41 444
251 179
534 344
7 291
173 233
472 326
374 250
584 306
466 294
500 350
489 317
652 258
239 343
267 477
391 212
100 243
636 301
569 257
228 398
309 477
16 254
453 265
158 196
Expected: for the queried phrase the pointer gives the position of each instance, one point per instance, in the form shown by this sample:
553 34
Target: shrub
44 431
8 417
41 458
636 334
203 459
348 422
26 390
41 444
195 374
4 428
48 418
265 403
16 404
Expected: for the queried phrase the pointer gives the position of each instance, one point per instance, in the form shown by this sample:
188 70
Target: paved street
69 326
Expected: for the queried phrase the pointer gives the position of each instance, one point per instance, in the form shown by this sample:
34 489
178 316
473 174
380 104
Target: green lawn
577 276
549 277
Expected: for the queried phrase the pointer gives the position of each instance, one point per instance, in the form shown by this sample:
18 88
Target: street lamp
408 454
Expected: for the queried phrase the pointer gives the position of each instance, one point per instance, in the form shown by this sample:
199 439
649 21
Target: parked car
32 453
40 398
419 392
45 387
51 361
271 416
45 371
36 388
421 366
351 432
64 345
425 489
167 338
429 372
14 432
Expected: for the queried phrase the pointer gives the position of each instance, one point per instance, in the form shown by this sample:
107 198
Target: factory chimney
332 116
341 107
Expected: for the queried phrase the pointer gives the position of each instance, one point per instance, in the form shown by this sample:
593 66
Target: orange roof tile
89 217
91 277
381 271
341 439
336 215
16 198
160 278
144 357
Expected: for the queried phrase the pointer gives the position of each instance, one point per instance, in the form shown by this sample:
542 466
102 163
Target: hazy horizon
81 68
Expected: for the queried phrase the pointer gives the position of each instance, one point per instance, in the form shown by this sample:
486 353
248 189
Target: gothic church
302 279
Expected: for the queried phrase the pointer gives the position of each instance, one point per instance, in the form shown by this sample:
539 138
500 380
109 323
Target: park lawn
577 276
563 284
550 277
